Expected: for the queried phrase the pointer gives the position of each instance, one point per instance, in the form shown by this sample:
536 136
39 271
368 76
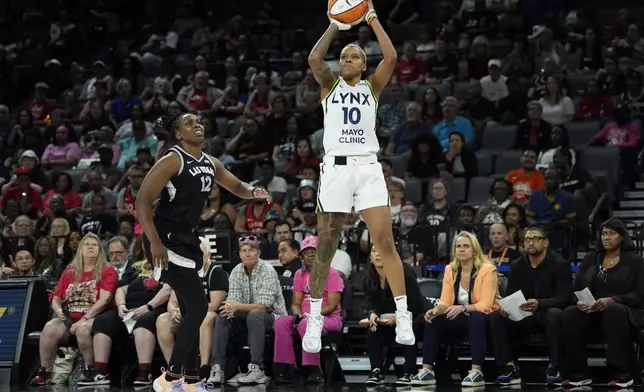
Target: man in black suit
118 253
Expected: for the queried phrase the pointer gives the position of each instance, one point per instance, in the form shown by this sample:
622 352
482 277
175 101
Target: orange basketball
348 11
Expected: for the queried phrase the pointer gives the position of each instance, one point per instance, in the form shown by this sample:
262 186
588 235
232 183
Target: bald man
500 252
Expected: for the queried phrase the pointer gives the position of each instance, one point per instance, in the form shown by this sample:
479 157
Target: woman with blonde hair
87 286
468 297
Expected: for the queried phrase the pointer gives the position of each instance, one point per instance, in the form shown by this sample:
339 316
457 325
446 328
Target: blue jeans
441 330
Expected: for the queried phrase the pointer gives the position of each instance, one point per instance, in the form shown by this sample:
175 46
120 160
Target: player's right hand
159 255
341 26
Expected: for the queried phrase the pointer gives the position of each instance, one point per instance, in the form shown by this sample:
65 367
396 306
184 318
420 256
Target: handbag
63 365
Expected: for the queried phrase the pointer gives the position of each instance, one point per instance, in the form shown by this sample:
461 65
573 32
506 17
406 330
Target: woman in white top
558 109
558 139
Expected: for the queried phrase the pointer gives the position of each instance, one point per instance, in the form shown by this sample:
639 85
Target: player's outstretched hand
261 193
341 26
159 255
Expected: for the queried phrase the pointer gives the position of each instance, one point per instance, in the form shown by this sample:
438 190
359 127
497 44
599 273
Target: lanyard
489 256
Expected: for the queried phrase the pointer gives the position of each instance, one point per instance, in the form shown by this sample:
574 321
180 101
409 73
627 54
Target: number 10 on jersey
351 115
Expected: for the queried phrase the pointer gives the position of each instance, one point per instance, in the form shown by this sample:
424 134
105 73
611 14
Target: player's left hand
261 193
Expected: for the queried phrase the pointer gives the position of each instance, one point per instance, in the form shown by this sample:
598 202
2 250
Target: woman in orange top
468 297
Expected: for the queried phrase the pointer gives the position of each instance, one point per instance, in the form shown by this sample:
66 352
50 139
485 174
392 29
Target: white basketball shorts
347 182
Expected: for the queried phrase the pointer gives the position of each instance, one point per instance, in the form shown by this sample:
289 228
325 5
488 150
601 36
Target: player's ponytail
170 123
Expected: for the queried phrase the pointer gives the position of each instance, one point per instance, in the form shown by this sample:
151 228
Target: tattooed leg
329 230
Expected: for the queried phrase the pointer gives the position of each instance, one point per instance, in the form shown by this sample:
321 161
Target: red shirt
83 293
13 192
39 110
254 223
71 198
199 101
409 71
599 108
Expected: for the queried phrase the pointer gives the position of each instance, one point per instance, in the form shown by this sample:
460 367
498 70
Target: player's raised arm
385 69
321 71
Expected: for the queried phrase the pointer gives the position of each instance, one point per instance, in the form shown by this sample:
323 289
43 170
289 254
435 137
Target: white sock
316 307
401 303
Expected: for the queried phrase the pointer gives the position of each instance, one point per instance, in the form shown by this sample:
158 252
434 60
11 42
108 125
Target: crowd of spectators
491 117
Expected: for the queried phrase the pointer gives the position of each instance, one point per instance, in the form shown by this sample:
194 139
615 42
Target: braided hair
170 124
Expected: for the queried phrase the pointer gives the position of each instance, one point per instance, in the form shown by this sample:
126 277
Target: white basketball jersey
350 120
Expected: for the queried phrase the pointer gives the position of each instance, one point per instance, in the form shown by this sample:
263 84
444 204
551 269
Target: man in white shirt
493 85
118 252
276 185
370 47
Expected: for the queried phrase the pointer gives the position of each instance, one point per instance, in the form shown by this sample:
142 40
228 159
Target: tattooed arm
329 230
323 75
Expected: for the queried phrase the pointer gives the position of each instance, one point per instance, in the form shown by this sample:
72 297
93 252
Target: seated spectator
612 80
623 132
250 218
40 106
309 221
589 52
125 201
405 135
576 181
614 275
381 329
459 160
452 122
259 100
250 146
87 286
461 313
500 197
285 326
443 66
533 131
46 261
500 252
439 214
215 212
232 102
388 172
118 253
198 96
142 295
409 70
426 157
515 220
478 58
478 109
56 210
595 104
527 179
466 213
105 166
558 139
254 302
125 129
39 179
20 264
97 187
63 186
277 116
289 256
307 86
121 106
27 197
130 146
393 114
511 109
60 232
276 185
551 204
431 111
99 221
494 85
365 41
413 246
545 280
558 109
303 156
287 137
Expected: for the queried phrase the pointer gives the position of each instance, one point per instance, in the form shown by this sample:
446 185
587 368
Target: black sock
191 376
204 372
170 374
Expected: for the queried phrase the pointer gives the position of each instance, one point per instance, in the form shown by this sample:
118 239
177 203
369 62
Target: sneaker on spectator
143 380
621 381
553 377
473 379
163 385
43 377
91 377
255 375
404 329
577 380
375 377
312 341
234 381
405 379
216 375
424 377
509 376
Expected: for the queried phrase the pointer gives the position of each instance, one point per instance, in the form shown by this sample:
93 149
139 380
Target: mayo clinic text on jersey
352 136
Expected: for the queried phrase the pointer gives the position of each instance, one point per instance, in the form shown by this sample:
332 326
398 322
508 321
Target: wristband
150 308
370 15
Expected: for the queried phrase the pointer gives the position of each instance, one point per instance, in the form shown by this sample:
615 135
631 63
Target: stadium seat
479 191
499 138
461 90
579 82
602 158
431 289
485 162
580 133
458 190
507 161
414 190
399 165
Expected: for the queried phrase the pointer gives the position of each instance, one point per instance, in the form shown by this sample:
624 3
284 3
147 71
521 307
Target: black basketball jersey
184 197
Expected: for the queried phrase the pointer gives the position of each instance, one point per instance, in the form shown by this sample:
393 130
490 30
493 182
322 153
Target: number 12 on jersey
351 115
206 184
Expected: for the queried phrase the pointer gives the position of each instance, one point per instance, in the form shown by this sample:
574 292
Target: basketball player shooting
350 175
